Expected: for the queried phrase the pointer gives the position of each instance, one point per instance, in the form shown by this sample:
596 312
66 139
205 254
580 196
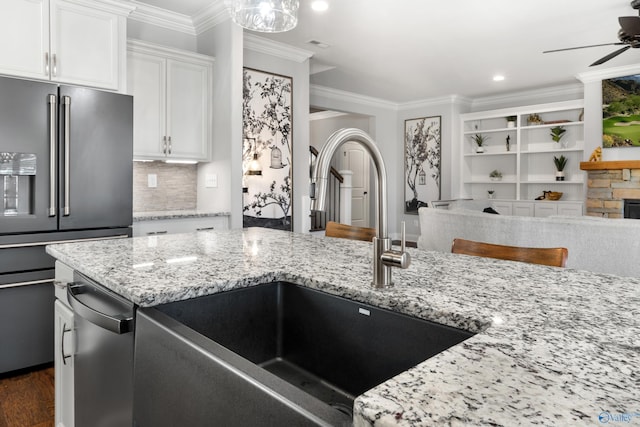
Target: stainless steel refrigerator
65 175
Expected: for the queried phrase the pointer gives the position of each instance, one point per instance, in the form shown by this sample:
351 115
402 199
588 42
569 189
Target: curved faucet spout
323 164
384 258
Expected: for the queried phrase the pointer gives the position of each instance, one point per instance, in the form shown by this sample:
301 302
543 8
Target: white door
24 30
187 103
147 83
84 45
63 326
356 159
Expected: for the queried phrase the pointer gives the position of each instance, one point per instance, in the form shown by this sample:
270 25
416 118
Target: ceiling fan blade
610 56
583 47
630 25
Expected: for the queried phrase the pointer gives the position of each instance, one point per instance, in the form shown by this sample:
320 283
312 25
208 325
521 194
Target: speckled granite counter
180 214
555 346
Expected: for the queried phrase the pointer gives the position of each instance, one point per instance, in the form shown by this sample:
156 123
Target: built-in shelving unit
526 162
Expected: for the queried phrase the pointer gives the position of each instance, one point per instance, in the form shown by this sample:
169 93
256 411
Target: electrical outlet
152 180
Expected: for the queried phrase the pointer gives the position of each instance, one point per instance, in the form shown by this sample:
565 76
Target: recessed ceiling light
498 78
319 5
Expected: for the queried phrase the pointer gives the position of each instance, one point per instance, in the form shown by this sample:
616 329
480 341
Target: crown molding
608 73
443 100
162 18
530 96
273 48
112 6
212 15
341 95
329 114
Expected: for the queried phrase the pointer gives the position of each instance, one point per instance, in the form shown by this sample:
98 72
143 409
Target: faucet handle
401 258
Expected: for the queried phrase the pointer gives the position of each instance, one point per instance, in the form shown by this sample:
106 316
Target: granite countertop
553 346
177 214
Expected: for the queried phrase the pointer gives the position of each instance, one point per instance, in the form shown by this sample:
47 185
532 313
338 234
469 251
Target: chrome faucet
384 257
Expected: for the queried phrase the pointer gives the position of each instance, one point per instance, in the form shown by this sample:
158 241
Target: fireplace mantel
610 165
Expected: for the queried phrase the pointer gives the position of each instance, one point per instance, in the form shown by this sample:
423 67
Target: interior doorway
351 156
356 159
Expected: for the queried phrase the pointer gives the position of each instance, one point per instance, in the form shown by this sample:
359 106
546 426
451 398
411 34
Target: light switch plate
152 180
211 180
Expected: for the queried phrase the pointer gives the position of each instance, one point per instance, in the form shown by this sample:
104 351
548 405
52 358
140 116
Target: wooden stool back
335 229
556 257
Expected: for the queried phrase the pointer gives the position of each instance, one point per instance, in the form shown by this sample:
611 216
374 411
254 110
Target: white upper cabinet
80 42
172 92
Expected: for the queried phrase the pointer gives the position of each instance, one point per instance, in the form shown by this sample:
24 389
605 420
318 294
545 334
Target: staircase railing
319 219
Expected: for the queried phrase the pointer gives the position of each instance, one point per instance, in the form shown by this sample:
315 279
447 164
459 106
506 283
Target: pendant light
266 16
254 164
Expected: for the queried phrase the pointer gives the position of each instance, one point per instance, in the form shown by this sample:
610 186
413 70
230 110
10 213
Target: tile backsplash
176 186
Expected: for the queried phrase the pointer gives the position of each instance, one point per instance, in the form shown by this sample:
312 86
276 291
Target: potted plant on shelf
557 132
511 121
560 163
495 175
479 139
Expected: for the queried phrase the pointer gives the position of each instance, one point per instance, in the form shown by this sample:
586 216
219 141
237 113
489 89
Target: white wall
225 43
299 71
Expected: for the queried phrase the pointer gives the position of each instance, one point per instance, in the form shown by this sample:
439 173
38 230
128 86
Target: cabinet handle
53 160
169 145
154 233
46 64
62 352
164 144
55 65
204 228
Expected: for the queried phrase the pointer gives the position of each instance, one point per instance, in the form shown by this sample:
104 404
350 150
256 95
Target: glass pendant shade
266 16
254 166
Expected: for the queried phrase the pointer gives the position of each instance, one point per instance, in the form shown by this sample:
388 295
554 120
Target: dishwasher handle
119 323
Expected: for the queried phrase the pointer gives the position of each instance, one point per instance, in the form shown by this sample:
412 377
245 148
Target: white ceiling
411 50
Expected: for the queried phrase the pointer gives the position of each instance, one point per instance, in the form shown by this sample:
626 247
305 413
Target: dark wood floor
27 398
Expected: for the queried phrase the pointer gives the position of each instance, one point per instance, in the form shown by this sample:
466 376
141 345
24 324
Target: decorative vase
495 178
511 124
560 176
479 149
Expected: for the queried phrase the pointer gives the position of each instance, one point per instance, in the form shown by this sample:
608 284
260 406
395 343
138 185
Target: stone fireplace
609 184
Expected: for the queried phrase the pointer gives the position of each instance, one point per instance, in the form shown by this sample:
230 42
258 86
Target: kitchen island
552 346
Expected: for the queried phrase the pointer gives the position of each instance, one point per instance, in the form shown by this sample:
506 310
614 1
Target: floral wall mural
421 162
267 150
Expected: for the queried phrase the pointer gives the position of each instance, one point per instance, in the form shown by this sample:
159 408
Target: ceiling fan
628 34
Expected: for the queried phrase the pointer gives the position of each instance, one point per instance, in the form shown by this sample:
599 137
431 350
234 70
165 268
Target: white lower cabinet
63 364
545 209
538 209
179 225
63 349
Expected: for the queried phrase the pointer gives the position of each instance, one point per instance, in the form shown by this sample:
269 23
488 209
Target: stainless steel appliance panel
28 125
96 152
103 370
26 304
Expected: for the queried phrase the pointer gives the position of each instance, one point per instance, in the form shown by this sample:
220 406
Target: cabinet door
570 209
147 83
523 209
504 208
545 209
64 364
188 110
24 29
84 45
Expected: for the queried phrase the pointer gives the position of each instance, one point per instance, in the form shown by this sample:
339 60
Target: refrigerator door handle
29 283
53 158
55 242
119 323
66 101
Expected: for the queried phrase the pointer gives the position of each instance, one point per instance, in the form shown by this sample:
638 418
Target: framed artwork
267 150
422 148
621 112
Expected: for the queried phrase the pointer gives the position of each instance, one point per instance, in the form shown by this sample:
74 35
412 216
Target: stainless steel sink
274 354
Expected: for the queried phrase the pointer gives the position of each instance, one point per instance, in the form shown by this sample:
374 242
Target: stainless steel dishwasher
104 339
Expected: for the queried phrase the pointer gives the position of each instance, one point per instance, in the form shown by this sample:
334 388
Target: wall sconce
254 165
